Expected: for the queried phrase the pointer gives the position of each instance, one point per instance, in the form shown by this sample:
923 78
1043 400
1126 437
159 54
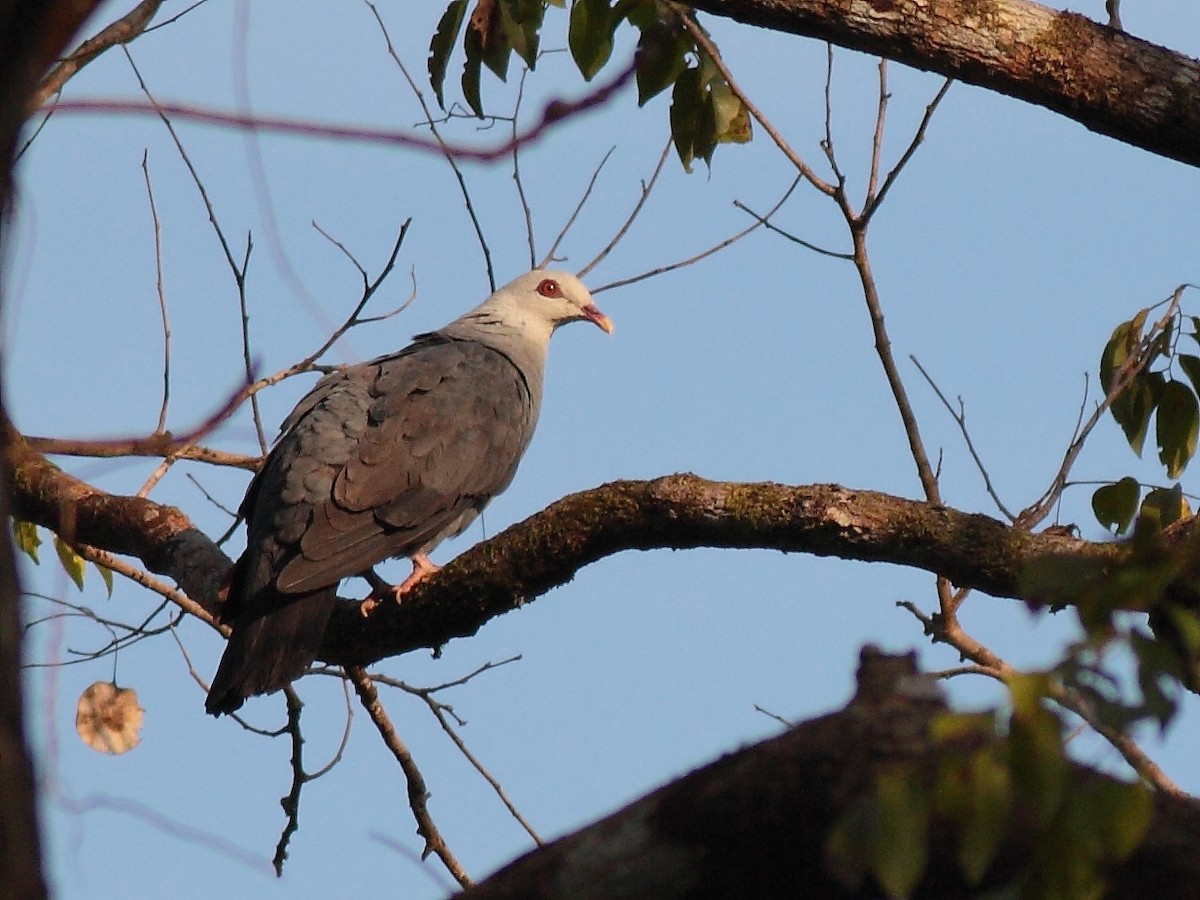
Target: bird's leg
381 589
423 567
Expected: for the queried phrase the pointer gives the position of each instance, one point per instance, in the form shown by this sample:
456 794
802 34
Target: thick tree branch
756 823
1109 81
685 511
162 537
549 548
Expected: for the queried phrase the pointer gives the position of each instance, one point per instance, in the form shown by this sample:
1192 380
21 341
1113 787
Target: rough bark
1109 81
549 548
32 34
756 823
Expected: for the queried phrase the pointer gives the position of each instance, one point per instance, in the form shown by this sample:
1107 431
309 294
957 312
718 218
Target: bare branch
716 248
446 149
647 187
960 418
162 296
587 193
418 794
121 31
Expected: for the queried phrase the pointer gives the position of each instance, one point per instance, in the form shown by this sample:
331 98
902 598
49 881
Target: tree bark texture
672 512
1111 82
756 823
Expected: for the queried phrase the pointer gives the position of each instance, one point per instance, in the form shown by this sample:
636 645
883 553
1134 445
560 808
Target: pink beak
592 314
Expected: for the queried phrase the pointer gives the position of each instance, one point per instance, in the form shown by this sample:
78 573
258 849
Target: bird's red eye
549 288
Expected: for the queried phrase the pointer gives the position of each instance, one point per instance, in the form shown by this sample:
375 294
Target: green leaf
1119 814
1163 506
590 35
1116 351
522 21
1133 407
731 118
1159 662
1177 426
1191 367
26 538
470 83
72 563
988 811
442 45
661 59
902 850
106 575
686 103
1039 766
849 842
1116 504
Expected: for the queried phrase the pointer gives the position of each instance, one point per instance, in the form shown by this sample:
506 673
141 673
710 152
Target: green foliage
1083 821
1178 422
26 538
1116 504
590 35
993 788
661 58
974 791
1152 392
885 834
442 45
705 111
73 564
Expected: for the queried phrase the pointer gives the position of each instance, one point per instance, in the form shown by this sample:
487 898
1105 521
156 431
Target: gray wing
389 458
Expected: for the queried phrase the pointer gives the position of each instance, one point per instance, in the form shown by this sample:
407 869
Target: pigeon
385 459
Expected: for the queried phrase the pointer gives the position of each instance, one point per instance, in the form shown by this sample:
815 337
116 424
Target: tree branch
549 548
757 823
1109 81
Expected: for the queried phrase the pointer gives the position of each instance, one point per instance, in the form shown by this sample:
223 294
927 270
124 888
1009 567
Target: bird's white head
554 298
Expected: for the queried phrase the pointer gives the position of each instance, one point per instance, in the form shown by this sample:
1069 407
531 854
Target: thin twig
418 794
448 153
291 802
517 180
873 199
162 296
960 418
155 445
238 272
716 248
791 237
587 193
441 710
148 581
883 349
877 138
647 187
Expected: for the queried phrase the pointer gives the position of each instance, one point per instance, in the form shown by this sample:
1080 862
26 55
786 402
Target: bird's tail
268 652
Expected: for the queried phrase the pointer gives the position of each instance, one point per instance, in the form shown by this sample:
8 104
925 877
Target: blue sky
1007 252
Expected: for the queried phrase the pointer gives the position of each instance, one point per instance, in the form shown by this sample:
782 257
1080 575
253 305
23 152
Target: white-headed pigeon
385 459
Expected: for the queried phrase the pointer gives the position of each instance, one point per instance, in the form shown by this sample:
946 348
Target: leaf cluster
705 109
1149 377
27 539
994 788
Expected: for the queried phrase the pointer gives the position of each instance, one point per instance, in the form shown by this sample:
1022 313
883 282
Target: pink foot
381 590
